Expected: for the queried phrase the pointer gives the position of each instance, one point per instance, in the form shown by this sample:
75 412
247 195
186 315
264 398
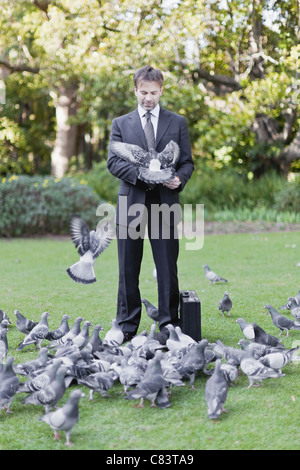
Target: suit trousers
165 250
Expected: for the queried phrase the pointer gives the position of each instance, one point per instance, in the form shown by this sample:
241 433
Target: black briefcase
190 314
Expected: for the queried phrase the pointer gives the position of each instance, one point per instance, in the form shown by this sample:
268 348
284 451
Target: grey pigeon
216 390
50 395
90 244
61 331
81 340
99 382
277 360
37 334
151 310
3 316
256 371
230 372
114 336
287 305
24 324
33 365
173 342
150 384
225 304
3 344
152 167
185 340
129 375
261 336
95 342
212 276
294 308
247 329
280 321
257 350
9 384
232 355
68 337
42 379
65 418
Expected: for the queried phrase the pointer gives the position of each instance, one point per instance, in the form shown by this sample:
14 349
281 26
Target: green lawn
261 268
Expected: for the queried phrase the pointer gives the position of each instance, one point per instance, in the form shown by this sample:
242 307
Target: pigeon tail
82 272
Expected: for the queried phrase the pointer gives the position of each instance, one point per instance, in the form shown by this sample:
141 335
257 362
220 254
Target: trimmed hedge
36 205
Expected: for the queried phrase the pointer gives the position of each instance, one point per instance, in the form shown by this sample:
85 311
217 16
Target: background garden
232 69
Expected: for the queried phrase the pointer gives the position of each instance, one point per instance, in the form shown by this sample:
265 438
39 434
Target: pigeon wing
102 238
80 234
170 155
131 153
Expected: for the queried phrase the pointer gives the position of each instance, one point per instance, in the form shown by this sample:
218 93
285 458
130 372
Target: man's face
148 94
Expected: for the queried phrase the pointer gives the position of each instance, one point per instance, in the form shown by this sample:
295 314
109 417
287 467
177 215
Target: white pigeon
90 244
114 336
153 167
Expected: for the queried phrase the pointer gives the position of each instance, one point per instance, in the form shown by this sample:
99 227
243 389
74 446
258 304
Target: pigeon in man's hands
90 244
153 167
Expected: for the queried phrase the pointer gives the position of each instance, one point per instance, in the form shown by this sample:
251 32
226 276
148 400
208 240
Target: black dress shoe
128 336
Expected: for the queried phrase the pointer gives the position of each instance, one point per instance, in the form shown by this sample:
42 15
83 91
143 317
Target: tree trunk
66 133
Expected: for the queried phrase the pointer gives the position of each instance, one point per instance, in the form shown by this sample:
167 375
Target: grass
261 268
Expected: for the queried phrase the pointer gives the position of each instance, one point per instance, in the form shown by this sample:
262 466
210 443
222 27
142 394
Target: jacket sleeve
116 165
185 164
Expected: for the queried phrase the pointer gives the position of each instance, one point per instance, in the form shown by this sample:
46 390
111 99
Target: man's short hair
148 73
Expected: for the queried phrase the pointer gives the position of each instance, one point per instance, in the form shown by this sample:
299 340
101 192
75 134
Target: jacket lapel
137 128
164 121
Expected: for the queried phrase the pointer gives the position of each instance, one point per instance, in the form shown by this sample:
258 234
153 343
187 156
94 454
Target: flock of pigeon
148 366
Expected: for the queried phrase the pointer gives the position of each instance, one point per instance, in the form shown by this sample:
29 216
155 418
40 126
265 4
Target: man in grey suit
137 128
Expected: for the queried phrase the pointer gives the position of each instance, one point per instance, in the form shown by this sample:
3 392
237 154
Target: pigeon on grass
151 310
152 167
294 308
42 379
225 304
33 365
212 276
3 344
90 244
68 337
61 331
247 329
114 336
256 371
262 337
277 360
216 390
280 321
51 394
37 334
65 418
99 382
9 384
81 340
24 324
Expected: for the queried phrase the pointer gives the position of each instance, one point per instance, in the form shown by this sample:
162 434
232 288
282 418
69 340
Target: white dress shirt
154 117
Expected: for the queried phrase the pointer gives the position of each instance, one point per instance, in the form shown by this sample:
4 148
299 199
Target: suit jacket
128 128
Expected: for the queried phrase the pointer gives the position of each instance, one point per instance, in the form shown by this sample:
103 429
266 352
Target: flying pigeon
212 276
247 328
280 321
50 395
90 244
37 334
216 390
261 336
256 371
151 310
225 304
153 167
64 418
114 336
9 384
24 324
61 331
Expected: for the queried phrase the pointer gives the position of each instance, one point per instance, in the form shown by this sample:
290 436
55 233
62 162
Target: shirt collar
154 111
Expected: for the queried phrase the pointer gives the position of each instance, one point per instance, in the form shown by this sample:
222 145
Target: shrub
102 182
288 199
33 205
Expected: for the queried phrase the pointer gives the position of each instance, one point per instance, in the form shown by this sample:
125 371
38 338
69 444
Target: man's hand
174 183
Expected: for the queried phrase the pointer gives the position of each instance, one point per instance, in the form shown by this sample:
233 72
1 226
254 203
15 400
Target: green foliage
288 199
36 205
102 182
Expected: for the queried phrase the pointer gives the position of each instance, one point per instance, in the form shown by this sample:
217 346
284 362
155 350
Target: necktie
149 131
